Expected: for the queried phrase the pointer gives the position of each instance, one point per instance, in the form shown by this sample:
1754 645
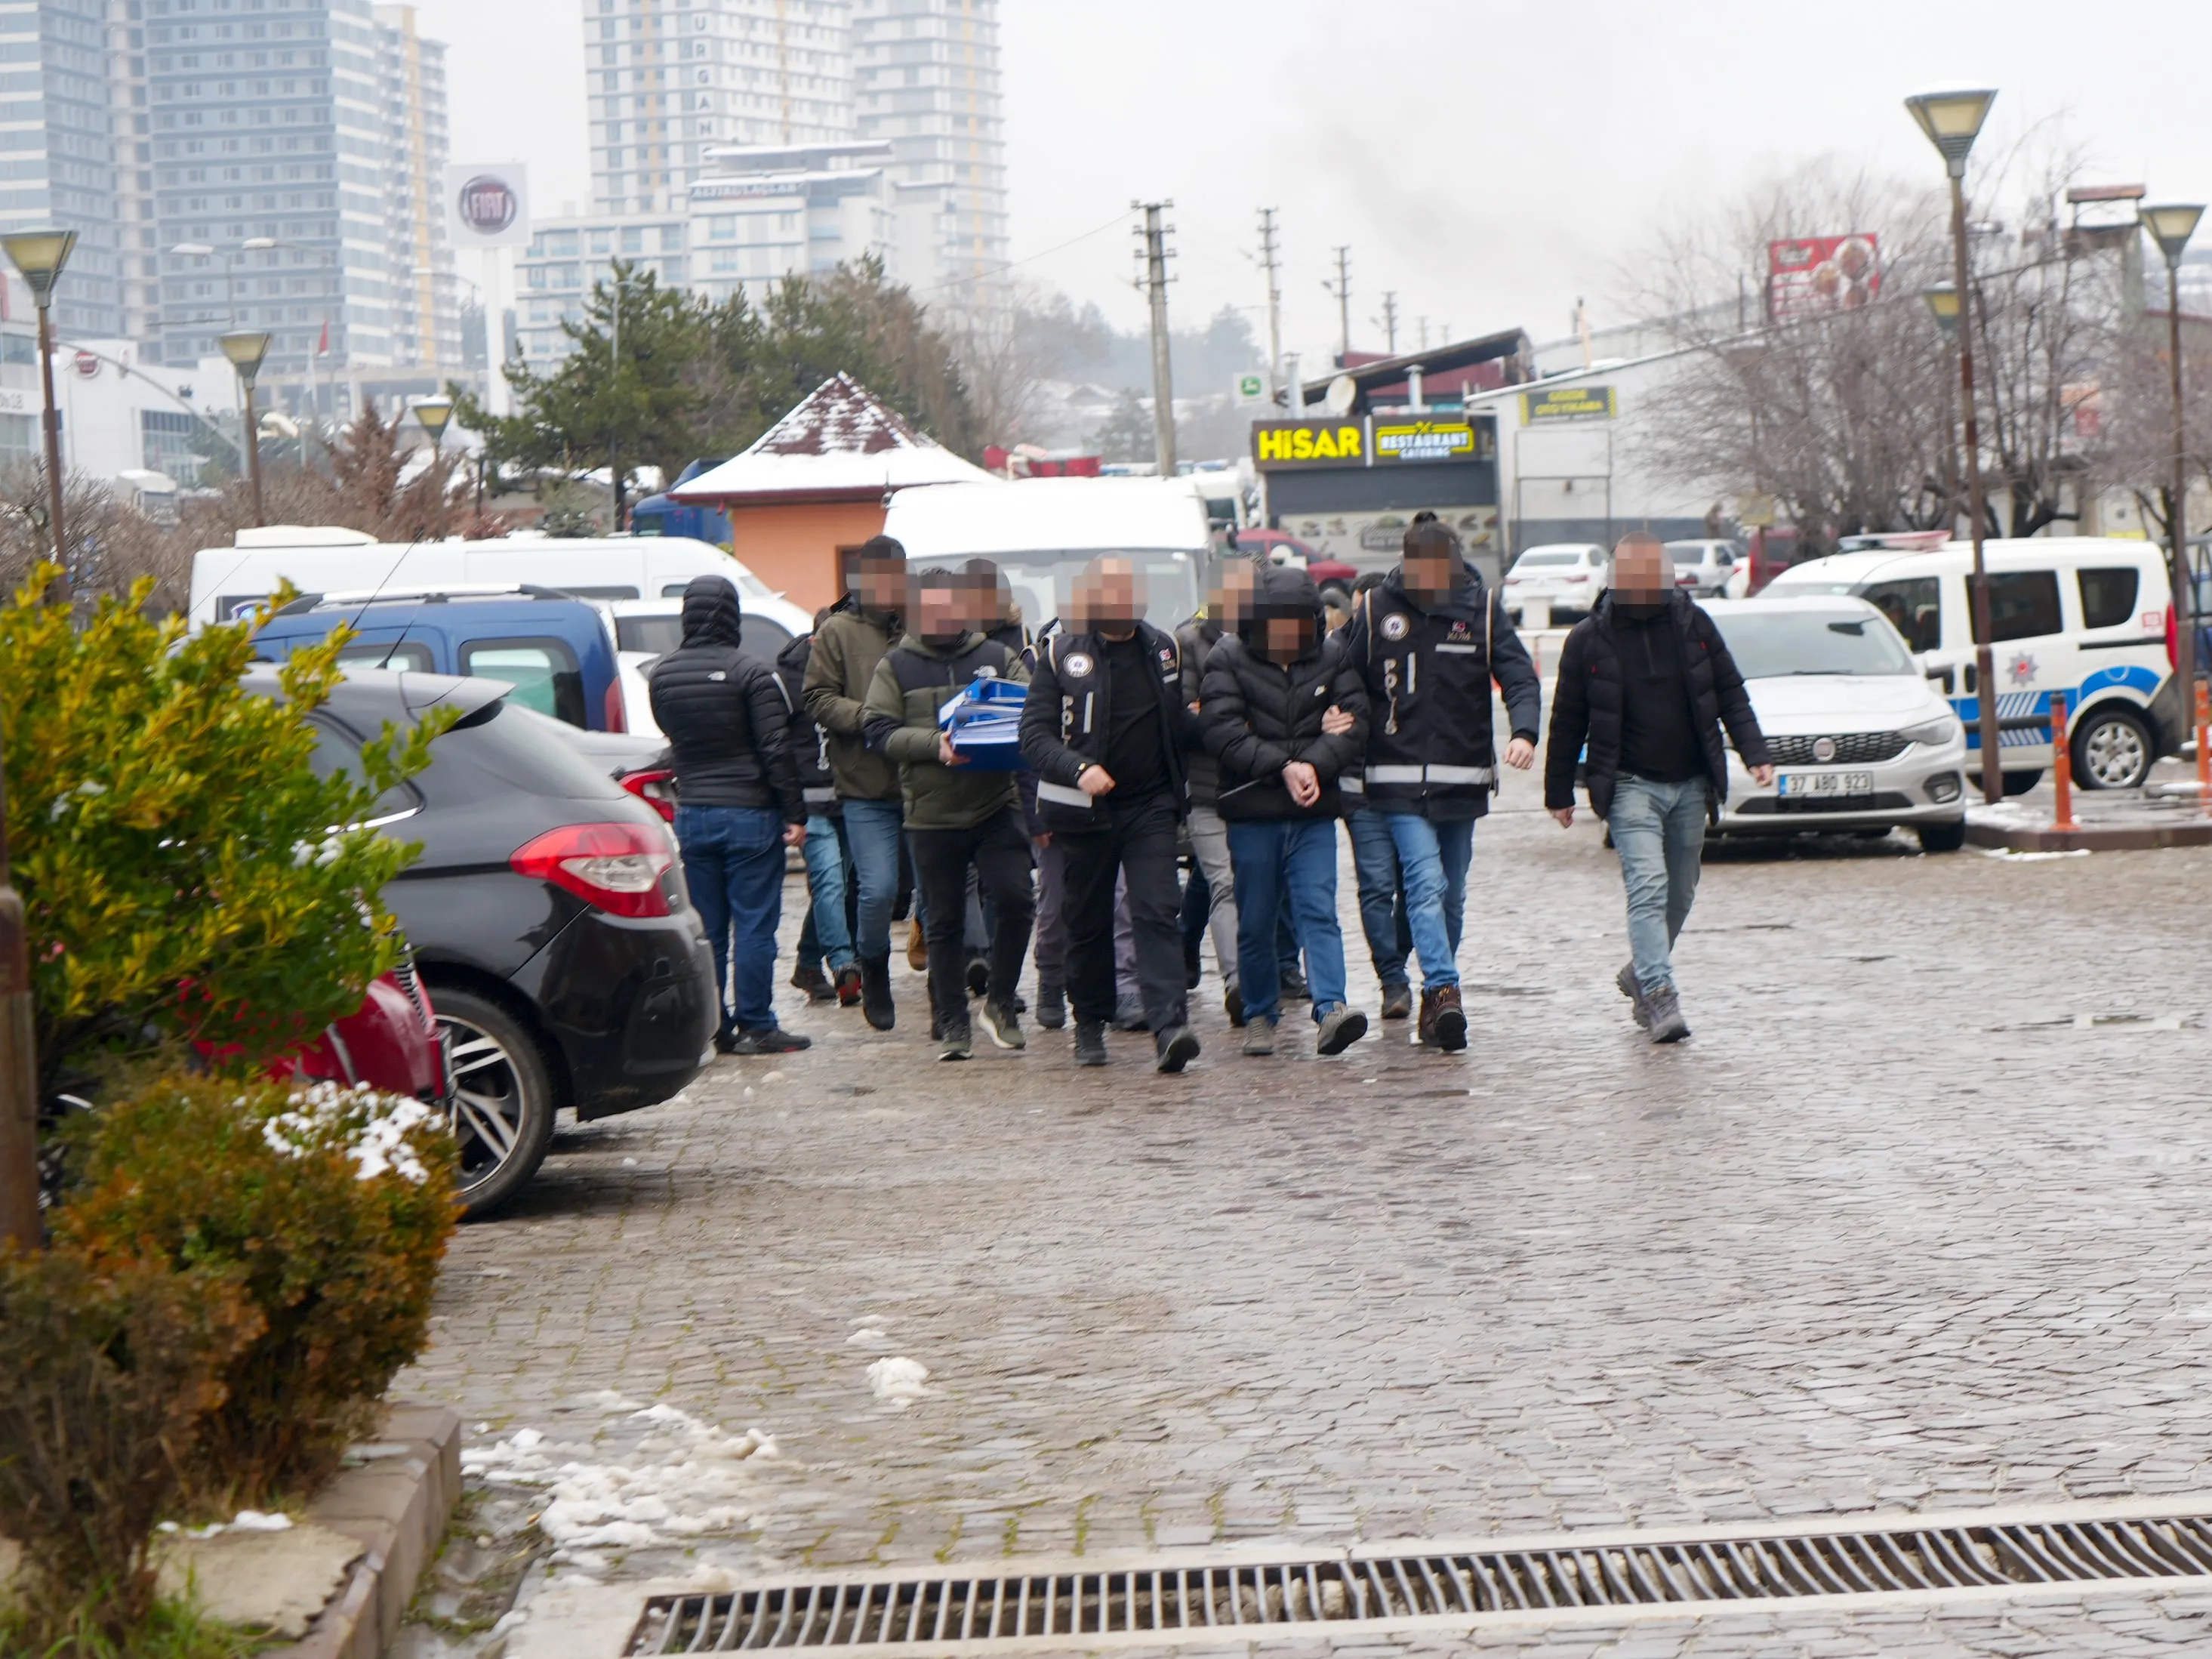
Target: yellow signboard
1568 403
1309 443
1425 440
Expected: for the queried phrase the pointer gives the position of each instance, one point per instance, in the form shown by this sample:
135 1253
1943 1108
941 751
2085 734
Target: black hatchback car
547 915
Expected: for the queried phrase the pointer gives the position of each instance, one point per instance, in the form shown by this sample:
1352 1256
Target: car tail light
657 789
1579 576
616 867
616 716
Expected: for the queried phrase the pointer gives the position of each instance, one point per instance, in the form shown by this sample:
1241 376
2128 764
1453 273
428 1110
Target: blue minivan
557 652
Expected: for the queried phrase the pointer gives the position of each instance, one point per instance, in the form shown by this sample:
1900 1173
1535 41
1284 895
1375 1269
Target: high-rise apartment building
60 160
925 80
669 79
297 146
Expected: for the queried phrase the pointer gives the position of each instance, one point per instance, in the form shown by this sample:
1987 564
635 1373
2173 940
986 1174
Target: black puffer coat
809 744
1257 717
724 713
1196 639
1587 705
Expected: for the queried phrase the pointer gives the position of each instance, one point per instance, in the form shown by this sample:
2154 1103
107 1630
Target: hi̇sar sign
1813 276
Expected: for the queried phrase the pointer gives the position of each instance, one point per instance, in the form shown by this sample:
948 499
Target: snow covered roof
841 443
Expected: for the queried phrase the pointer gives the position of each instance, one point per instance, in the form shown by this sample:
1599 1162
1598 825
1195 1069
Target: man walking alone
1646 680
1426 644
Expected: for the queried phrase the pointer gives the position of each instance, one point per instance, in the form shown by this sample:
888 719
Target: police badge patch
1394 626
1078 663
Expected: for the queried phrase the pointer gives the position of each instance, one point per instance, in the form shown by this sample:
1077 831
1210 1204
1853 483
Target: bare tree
1009 346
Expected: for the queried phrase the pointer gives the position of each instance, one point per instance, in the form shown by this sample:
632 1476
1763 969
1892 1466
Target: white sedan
1861 740
1566 576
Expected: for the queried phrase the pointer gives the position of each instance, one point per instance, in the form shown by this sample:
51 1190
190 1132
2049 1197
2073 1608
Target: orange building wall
795 548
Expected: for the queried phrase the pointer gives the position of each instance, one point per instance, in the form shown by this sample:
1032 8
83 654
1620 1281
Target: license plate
1813 785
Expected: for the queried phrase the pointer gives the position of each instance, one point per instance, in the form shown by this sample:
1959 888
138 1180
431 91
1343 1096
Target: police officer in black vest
1104 728
1427 642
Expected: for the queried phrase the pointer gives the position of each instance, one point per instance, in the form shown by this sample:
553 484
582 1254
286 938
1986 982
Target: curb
396 1503
2130 838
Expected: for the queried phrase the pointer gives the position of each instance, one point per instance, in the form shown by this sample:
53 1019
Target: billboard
488 206
1815 275
1423 439
1309 443
1568 403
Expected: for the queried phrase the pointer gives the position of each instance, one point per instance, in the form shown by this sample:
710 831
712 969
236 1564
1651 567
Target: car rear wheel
2112 749
2019 783
1941 838
502 1100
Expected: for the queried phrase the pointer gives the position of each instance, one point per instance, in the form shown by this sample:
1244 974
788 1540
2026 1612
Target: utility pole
1341 289
1271 262
1389 319
1155 283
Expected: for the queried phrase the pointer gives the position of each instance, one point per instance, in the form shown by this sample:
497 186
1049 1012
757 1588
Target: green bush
112 1368
173 844
328 1208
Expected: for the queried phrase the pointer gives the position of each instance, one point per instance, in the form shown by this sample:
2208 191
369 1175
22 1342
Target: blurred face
1288 638
880 584
941 611
1232 601
1429 575
1116 598
1642 571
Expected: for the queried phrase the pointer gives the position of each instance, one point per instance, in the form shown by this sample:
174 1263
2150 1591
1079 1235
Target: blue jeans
1659 831
826 880
1291 865
1381 906
1429 860
733 865
873 829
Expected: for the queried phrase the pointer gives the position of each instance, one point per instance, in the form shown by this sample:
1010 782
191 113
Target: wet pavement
1917 1219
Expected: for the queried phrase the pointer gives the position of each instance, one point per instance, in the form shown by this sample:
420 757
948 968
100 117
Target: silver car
1711 569
1862 741
1566 576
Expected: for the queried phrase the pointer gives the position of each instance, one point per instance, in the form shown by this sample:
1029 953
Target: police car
2086 616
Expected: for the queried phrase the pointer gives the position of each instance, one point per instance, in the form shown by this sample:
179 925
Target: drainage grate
1552 1577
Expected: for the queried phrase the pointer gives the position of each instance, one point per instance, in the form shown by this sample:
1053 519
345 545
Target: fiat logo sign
1824 748
87 365
488 204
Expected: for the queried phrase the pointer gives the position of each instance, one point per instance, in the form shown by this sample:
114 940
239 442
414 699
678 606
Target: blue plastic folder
984 723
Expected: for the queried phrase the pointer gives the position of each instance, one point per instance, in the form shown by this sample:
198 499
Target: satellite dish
1343 393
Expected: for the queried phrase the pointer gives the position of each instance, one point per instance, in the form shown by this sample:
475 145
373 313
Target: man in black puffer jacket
738 804
1647 680
1284 714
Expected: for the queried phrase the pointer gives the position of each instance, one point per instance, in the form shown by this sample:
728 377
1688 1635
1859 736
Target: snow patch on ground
898 1380
683 1478
244 1521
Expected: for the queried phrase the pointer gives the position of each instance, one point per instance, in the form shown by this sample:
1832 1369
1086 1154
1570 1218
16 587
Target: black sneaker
1397 999
1003 1026
1090 1042
771 1040
1340 1027
725 1042
958 1043
1051 1007
876 1002
1295 988
815 983
1176 1047
979 976
1232 1003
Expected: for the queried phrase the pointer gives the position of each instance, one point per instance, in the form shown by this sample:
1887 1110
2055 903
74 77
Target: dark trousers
1136 838
997 849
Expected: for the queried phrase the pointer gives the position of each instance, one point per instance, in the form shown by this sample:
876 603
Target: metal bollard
2062 764
2203 751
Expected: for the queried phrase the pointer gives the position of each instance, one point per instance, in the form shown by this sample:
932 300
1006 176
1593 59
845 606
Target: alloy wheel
2115 755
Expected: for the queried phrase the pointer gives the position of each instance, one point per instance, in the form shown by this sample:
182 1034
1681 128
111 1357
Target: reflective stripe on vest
1060 795
1429 774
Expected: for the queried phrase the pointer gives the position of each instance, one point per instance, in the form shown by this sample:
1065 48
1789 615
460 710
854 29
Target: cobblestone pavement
1918 1218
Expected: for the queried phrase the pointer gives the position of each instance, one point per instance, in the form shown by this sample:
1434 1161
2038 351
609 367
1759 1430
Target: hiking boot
1176 1048
1340 1027
876 993
770 1040
1090 1042
979 976
1443 1024
917 947
1397 999
1294 987
1129 1014
1632 989
1259 1034
1668 1024
848 985
1003 1026
1232 1003
1052 1006
958 1043
812 981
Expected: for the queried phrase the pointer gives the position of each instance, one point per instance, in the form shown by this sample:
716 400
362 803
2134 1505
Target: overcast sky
1489 160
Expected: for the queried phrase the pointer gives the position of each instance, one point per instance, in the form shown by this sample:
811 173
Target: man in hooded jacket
738 804
1427 644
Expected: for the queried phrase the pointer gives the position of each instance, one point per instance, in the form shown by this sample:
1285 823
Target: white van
327 559
2085 615
1041 532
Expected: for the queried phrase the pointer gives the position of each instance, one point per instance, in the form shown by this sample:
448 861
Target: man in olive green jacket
847 646
956 816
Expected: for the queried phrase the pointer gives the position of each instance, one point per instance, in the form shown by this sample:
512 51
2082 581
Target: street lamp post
1953 120
2171 228
246 347
40 255
435 413
1943 306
